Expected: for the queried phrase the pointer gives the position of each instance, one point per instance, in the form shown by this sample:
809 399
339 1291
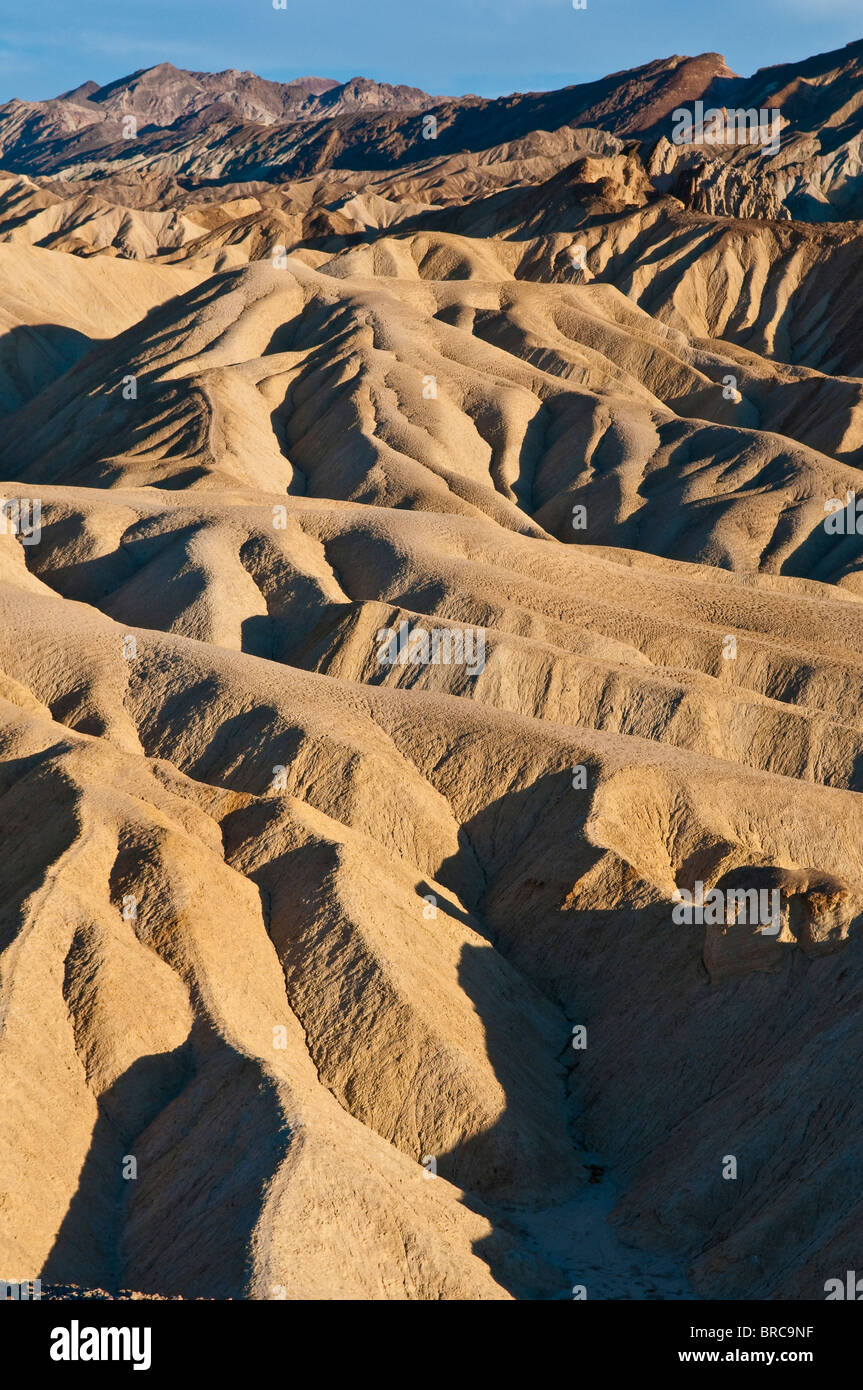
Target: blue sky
446 46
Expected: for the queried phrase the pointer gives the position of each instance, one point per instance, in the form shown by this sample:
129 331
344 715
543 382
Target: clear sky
446 46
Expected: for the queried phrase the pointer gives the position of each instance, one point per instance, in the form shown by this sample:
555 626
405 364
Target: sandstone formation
331 974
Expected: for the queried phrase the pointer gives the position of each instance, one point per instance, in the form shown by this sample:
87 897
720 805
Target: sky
447 47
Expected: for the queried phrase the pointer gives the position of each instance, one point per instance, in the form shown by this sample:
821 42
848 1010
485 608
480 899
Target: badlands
327 976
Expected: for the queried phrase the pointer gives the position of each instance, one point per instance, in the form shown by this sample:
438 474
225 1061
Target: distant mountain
165 94
54 136
235 127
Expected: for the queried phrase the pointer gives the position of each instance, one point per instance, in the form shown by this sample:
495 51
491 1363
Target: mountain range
234 126
334 967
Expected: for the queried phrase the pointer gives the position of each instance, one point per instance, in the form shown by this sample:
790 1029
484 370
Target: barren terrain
296 944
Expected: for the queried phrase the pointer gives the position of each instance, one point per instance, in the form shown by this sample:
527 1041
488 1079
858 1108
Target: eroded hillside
414 574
